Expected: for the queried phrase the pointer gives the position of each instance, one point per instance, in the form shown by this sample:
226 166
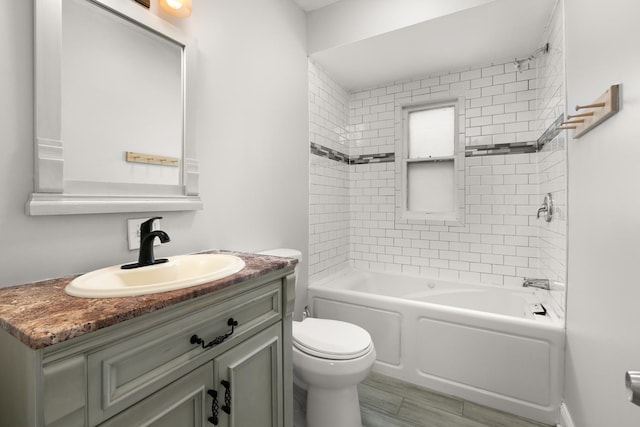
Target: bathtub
480 343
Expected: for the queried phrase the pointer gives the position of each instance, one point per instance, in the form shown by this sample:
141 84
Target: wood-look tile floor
387 402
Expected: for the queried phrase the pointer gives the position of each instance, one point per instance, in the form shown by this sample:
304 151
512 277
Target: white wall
604 215
252 146
342 22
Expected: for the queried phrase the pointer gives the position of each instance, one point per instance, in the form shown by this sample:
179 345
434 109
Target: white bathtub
480 343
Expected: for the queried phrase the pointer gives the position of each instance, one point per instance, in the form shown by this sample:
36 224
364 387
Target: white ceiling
309 5
499 30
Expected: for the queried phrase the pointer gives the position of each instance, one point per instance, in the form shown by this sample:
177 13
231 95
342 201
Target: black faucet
147 237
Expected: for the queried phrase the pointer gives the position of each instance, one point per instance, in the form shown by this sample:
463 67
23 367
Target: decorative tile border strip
551 132
516 147
470 151
322 151
372 158
496 149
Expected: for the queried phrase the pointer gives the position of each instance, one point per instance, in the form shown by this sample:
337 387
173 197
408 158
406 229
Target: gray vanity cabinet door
183 403
249 381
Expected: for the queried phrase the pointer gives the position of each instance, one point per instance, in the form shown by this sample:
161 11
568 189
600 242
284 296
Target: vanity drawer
131 369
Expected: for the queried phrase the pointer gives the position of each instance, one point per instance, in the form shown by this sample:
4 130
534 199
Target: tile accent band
470 151
496 149
322 151
551 132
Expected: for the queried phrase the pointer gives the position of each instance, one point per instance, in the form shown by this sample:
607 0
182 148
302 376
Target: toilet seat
331 339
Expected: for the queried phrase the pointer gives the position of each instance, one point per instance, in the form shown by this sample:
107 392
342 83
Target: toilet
330 359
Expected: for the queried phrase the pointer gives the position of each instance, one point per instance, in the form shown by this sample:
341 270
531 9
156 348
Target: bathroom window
431 172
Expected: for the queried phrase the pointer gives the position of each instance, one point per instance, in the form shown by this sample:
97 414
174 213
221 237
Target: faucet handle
147 226
546 208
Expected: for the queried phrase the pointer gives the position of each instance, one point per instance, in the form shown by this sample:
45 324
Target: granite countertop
41 314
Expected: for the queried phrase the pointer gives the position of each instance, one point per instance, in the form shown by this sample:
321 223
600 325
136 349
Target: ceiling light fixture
179 8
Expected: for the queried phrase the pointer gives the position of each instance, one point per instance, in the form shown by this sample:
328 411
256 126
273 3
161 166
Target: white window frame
455 216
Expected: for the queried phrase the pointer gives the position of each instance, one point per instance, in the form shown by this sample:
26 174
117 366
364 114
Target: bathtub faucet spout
536 283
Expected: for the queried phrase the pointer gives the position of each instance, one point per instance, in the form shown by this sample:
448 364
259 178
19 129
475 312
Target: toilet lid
330 339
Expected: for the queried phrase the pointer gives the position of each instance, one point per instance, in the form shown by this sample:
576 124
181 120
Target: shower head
518 63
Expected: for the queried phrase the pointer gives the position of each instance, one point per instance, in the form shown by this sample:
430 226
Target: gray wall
252 146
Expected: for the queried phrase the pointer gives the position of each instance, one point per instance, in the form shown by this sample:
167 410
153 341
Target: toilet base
333 407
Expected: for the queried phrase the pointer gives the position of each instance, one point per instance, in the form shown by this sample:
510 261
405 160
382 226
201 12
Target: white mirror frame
49 196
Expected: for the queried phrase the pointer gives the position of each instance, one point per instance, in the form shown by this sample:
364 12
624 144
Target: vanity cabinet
181 403
154 370
246 381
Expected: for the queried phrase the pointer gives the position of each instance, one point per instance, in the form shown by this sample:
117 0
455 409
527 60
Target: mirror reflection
115 116
116 100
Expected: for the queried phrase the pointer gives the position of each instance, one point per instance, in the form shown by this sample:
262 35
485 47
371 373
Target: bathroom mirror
114 114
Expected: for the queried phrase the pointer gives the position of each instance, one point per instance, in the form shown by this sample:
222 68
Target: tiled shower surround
329 210
353 203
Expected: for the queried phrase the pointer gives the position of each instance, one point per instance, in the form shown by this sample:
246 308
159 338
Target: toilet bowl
330 359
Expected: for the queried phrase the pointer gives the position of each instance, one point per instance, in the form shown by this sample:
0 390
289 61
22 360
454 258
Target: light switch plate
133 232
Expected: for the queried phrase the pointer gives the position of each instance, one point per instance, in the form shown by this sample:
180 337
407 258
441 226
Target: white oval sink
179 272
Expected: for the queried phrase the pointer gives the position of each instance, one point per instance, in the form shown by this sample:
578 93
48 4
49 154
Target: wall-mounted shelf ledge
591 115
152 159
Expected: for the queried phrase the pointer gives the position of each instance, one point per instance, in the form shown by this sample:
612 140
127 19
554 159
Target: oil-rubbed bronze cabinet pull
213 419
218 340
227 396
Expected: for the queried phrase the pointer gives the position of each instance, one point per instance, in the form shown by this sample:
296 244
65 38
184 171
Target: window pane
430 186
431 132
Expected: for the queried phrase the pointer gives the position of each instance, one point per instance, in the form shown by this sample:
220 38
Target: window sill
448 219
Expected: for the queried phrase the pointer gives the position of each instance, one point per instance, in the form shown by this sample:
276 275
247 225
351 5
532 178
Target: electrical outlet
133 232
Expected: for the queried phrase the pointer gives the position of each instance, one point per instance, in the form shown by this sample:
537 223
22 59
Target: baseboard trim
565 417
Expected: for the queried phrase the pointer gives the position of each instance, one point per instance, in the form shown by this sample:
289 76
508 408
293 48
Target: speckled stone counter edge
41 314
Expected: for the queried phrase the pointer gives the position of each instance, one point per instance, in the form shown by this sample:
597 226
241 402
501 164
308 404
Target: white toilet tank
300 287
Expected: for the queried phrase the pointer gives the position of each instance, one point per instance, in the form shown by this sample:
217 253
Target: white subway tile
439 263
504 78
505 118
492 109
516 107
492 129
506 98
493 70
431 81
504 270
480 121
517 86
470 75
479 268
504 138
492 90
505 229
481 82
449 78
435 244
459 88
